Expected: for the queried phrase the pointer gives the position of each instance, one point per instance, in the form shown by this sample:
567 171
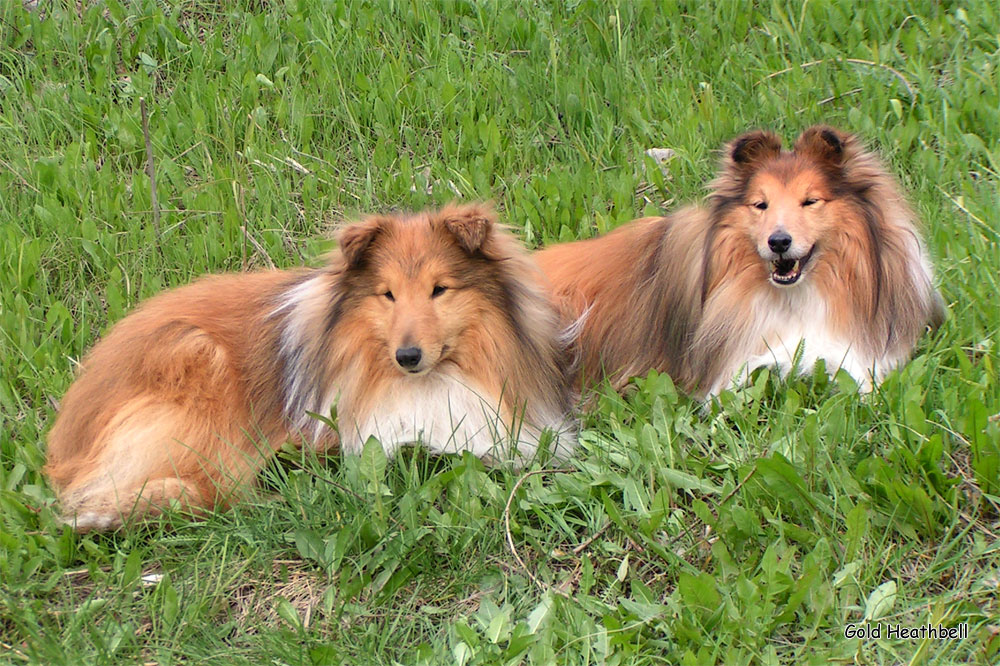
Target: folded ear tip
355 238
470 223
753 146
469 211
823 141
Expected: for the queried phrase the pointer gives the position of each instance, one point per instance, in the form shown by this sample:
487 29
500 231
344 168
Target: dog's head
788 202
420 281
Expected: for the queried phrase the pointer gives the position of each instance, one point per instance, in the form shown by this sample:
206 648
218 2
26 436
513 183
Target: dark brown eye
809 202
438 290
760 205
389 295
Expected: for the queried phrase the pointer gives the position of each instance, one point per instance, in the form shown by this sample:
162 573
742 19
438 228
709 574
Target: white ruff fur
296 306
788 318
446 414
440 410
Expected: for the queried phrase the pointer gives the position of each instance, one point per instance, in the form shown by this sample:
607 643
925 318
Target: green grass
748 533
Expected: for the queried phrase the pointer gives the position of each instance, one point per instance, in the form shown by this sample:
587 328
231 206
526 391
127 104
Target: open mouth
788 271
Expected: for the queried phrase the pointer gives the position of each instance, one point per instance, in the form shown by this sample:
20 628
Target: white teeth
788 276
786 271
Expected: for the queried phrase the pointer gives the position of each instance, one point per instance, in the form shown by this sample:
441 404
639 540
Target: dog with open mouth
798 256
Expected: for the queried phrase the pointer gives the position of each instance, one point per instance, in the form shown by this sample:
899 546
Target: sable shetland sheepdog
813 247
433 328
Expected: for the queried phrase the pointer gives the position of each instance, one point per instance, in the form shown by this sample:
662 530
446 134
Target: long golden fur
814 246
430 327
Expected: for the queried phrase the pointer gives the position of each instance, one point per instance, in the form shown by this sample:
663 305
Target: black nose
409 357
779 241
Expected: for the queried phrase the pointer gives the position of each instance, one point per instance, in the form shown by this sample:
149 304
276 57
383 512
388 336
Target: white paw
87 521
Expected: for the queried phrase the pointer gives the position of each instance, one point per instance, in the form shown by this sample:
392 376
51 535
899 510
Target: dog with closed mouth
433 328
799 255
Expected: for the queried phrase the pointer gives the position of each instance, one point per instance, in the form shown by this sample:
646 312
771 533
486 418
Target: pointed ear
746 153
356 238
470 224
824 144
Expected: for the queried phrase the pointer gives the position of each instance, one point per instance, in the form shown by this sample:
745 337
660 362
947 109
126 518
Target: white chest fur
791 329
445 414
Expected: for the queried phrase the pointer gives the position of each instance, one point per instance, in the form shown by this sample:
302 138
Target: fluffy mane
871 272
513 347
